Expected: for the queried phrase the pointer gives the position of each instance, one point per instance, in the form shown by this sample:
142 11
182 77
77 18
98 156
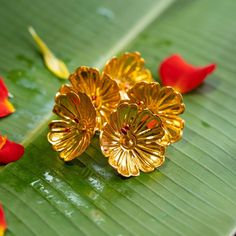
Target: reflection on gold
164 102
127 70
71 135
130 140
135 131
102 90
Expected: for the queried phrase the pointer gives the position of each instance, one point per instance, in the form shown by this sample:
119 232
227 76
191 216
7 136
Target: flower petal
65 88
72 135
10 151
66 139
130 140
164 102
6 108
103 91
72 106
3 223
173 126
127 70
55 65
175 72
3 90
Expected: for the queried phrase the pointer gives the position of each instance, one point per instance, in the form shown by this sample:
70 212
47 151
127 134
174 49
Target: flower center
127 139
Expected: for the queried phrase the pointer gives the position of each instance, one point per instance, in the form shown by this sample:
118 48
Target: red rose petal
3 90
10 151
175 72
3 223
6 108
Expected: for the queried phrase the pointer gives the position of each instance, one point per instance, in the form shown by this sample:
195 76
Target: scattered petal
3 90
166 103
10 151
127 70
55 65
130 140
6 108
175 72
71 135
3 223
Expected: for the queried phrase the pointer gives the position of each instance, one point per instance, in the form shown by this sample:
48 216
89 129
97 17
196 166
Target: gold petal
103 91
72 106
71 136
85 80
170 102
131 140
65 88
127 70
55 65
164 102
60 130
68 141
173 126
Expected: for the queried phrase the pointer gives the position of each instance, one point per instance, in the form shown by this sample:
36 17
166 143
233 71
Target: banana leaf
193 193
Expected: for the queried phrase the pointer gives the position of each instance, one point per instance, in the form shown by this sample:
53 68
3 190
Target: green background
193 193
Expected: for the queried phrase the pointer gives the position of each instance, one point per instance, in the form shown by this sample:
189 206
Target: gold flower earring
166 103
127 70
131 138
71 135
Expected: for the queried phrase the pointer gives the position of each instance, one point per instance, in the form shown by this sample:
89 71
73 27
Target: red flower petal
10 151
175 72
6 108
3 90
3 223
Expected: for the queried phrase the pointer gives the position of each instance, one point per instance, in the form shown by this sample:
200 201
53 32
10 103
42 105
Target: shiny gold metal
130 140
166 103
127 70
71 135
102 90
134 132
55 65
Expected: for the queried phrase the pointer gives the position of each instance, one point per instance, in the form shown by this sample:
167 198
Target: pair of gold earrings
136 118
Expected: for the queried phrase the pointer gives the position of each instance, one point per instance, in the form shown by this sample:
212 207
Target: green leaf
193 193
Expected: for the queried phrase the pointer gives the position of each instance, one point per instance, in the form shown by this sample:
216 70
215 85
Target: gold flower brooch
136 118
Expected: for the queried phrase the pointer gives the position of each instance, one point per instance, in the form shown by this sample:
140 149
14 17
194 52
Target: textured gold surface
71 135
130 140
164 102
127 70
102 90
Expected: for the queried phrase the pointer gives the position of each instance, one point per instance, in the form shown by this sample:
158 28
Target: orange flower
71 135
164 102
175 72
127 70
3 223
130 140
6 108
10 151
102 90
